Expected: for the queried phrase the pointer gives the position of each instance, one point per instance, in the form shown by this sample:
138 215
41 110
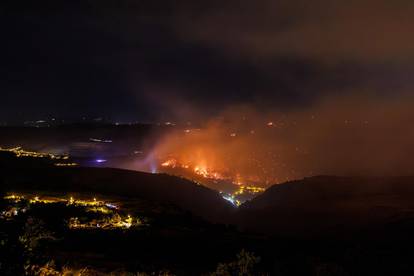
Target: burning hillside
231 188
220 154
243 146
200 170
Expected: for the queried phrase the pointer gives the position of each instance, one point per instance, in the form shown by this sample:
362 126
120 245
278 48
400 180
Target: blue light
100 160
230 199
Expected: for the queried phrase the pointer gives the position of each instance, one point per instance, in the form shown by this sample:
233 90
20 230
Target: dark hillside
329 205
115 182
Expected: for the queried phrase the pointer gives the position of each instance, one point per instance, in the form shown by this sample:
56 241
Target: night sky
160 60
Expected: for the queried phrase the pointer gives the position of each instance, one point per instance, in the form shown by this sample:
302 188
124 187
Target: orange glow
169 163
199 169
227 151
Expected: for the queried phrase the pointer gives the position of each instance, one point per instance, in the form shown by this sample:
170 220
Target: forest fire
200 170
231 188
225 153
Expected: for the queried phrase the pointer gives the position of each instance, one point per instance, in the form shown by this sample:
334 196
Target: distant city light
99 140
111 206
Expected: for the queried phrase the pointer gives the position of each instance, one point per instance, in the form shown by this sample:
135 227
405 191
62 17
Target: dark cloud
140 60
326 31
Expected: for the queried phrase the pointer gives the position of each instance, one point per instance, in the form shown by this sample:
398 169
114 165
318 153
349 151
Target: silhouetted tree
243 266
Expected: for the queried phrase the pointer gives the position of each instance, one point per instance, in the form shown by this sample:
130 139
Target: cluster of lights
115 221
85 203
243 190
14 198
66 164
19 152
36 200
14 210
49 200
100 209
249 189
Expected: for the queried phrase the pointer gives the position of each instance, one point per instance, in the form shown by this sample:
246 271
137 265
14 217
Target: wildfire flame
236 196
200 170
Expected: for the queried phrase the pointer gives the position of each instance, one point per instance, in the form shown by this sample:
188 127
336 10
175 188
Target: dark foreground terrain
89 221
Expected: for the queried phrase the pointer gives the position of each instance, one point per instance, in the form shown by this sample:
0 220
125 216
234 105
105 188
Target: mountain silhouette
329 205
